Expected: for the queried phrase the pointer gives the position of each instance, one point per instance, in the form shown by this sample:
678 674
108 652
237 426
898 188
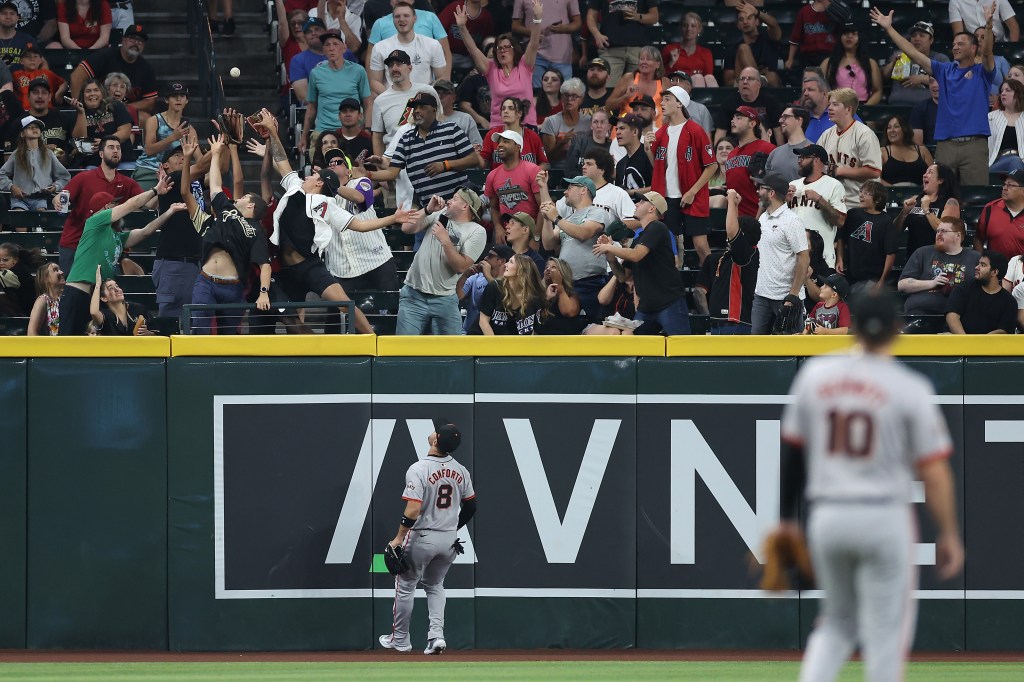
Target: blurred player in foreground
859 428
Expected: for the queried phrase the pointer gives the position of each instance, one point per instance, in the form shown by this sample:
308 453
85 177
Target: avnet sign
613 495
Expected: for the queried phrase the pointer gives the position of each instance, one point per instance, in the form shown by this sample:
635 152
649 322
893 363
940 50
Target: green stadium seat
979 195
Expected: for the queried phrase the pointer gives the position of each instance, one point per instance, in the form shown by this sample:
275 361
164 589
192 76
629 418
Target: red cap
749 112
99 201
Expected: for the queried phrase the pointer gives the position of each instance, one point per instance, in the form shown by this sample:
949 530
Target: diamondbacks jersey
865 422
855 147
440 484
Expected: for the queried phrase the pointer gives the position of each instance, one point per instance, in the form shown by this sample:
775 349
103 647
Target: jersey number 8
444 496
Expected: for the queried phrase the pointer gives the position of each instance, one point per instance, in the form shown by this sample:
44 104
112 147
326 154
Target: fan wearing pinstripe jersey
859 429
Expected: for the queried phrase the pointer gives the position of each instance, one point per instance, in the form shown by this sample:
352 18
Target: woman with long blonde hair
515 303
648 80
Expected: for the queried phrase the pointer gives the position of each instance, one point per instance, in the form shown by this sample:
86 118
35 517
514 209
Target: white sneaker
387 642
435 647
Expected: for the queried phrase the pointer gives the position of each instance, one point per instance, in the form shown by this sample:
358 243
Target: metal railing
274 315
211 87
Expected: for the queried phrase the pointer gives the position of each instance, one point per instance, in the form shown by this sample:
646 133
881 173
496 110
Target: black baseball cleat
435 647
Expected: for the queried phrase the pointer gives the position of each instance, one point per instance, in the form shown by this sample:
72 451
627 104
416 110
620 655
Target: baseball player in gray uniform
859 427
439 499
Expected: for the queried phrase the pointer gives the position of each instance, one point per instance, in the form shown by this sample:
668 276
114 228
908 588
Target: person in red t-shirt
689 57
28 70
830 315
1001 224
512 186
478 22
82 25
746 126
813 35
683 163
513 111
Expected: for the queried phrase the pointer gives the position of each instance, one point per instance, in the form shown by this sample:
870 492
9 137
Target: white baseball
235 72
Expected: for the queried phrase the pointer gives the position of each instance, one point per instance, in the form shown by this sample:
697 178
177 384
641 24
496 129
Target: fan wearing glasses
849 66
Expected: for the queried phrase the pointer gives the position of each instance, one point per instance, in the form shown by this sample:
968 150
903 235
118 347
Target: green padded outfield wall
13 456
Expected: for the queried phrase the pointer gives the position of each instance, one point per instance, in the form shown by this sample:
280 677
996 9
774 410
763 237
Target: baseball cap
645 101
508 135
601 62
774 181
423 98
658 201
682 75
632 120
520 217
8 3
397 57
444 84
176 89
682 95
585 182
332 154
350 103
815 150
1016 175
324 37
169 153
875 315
471 198
31 120
618 230
448 436
137 31
313 22
99 201
501 251
923 27
331 182
839 283
38 83
749 112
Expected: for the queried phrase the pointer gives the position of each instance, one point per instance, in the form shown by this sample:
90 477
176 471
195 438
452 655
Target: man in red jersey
746 126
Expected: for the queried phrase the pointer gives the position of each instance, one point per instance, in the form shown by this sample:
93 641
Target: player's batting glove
394 559
457 546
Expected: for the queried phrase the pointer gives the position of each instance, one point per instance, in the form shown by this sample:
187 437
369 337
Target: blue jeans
207 291
420 314
1005 164
174 281
673 318
764 312
587 289
729 328
542 65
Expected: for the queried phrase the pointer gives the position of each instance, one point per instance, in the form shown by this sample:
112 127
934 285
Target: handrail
211 86
348 323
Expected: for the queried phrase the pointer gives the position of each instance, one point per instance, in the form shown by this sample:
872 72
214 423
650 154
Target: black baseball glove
458 547
788 317
394 559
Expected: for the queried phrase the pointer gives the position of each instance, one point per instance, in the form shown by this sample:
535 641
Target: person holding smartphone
162 132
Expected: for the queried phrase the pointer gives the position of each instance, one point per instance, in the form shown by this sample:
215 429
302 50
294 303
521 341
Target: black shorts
74 312
679 223
309 275
384 277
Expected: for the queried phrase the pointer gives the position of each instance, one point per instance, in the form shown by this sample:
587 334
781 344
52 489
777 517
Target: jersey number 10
850 433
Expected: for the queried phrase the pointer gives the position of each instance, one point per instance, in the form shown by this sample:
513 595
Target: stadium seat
13 326
979 195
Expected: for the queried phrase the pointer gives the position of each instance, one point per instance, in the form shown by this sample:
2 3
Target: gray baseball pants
430 556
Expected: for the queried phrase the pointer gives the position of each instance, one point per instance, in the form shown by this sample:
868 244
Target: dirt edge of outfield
475 655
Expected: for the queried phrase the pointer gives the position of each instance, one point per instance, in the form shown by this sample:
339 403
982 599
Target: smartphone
254 121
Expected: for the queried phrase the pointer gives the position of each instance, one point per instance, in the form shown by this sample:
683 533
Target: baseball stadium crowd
525 167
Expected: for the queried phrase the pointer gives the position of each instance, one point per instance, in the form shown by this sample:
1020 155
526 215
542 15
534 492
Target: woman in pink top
510 73
849 66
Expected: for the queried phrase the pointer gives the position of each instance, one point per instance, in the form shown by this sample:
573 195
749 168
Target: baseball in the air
235 72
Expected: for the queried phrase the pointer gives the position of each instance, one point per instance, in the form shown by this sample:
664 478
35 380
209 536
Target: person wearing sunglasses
849 66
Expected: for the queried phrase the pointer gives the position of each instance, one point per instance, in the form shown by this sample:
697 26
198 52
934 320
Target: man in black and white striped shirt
435 154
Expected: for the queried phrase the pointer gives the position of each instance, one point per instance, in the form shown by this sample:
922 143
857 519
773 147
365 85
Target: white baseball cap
508 135
680 94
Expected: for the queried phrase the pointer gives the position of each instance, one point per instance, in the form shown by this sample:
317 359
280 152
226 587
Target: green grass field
446 671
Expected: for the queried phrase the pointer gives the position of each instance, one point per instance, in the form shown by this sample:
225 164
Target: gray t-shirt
579 255
926 263
555 125
390 106
468 125
783 161
430 272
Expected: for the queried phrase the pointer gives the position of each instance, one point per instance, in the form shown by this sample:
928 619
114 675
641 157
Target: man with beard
390 109
746 126
101 245
793 122
983 306
12 41
597 86
643 108
56 135
126 59
87 184
783 262
511 187
634 171
931 272
818 200
814 98
749 94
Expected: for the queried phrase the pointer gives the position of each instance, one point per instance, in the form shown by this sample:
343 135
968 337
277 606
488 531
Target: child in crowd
831 315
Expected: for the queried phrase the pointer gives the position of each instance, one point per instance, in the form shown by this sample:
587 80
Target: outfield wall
230 494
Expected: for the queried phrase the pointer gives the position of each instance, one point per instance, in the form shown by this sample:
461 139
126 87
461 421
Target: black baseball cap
349 103
645 101
324 37
332 154
423 98
1016 175
176 89
501 251
331 181
313 22
169 153
137 31
682 75
839 284
774 181
448 436
39 83
815 150
875 315
397 56
8 3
